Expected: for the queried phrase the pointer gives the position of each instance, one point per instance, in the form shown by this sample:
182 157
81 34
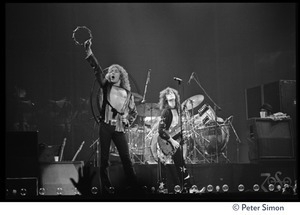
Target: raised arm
92 60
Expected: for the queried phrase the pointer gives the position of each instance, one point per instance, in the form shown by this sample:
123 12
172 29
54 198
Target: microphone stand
216 108
238 140
143 102
96 151
195 150
181 129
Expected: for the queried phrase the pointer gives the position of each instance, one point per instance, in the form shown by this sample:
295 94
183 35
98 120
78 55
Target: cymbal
192 102
137 97
148 109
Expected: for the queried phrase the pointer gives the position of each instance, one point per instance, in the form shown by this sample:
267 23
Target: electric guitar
166 146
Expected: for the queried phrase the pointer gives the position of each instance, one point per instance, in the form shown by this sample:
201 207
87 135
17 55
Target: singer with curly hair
118 111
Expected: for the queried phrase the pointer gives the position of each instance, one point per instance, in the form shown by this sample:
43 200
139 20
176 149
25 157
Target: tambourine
81 34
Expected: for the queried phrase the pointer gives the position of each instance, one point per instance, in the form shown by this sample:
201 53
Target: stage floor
54 176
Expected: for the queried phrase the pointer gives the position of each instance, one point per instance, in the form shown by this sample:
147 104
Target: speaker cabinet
280 94
270 139
21 154
55 178
254 101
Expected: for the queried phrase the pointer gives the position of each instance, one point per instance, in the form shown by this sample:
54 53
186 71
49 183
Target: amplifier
270 139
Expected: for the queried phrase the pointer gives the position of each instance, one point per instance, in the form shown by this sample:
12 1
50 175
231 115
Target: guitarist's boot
186 184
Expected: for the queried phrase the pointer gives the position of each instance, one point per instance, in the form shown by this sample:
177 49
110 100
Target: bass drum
136 136
210 142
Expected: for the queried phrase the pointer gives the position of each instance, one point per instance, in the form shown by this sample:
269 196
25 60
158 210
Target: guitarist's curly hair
163 103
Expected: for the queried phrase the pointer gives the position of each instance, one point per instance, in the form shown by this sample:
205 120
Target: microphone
177 79
192 76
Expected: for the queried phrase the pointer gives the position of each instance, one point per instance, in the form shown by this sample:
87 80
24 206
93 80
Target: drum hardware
95 153
136 152
149 112
137 97
143 111
209 137
192 156
192 102
216 108
148 109
238 140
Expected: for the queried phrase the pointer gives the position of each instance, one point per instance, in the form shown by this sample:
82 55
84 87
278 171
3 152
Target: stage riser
262 174
21 154
57 175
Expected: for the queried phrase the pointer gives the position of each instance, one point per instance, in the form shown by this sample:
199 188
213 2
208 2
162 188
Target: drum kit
206 135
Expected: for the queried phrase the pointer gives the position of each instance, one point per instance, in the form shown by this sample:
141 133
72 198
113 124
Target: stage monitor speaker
21 154
270 139
55 178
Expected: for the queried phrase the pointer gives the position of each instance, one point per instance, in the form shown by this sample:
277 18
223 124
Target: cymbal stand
96 158
96 151
181 129
133 155
144 130
238 140
216 108
194 152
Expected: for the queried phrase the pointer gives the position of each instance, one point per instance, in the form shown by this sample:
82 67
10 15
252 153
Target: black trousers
180 166
107 133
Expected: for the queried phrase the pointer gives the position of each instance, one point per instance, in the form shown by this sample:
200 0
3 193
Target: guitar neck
176 130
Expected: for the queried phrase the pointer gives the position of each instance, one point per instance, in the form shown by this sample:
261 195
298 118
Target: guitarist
169 103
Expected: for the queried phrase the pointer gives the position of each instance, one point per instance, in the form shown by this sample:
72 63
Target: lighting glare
210 188
241 187
94 190
23 192
42 191
177 189
59 191
271 187
225 188
256 187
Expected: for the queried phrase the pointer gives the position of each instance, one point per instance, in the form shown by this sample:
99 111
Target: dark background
230 47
